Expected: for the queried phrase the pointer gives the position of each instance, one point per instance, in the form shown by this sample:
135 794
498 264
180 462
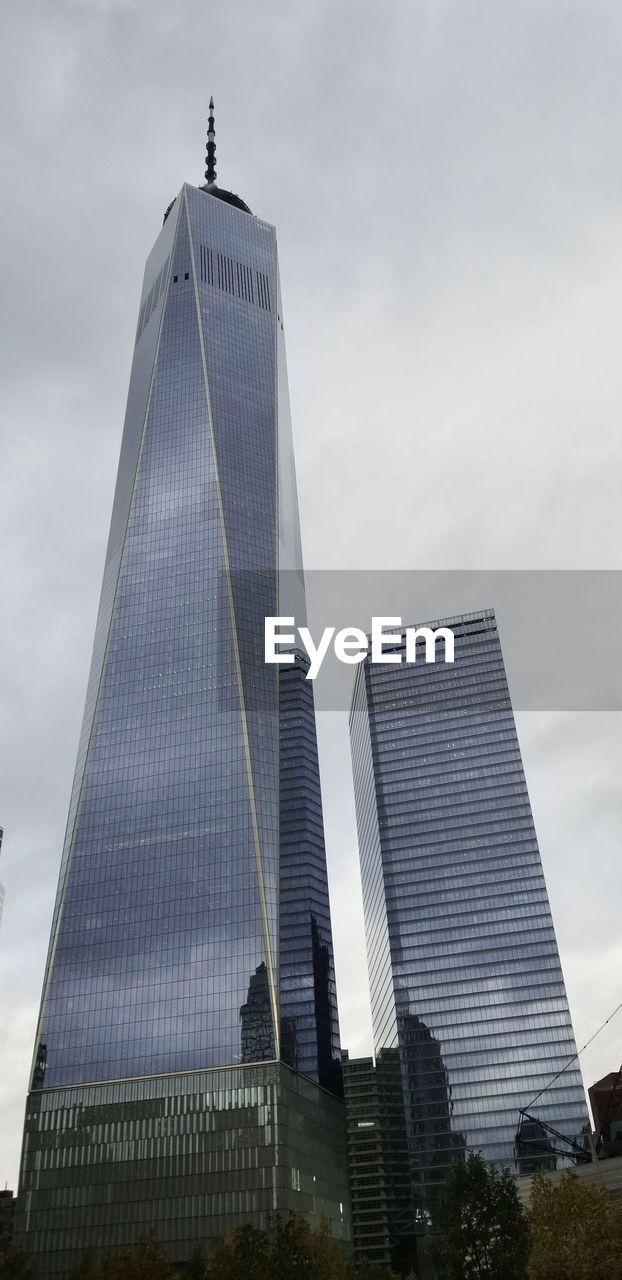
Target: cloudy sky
446 179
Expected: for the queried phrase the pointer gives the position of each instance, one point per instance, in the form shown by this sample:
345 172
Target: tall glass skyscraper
464 969
187 1055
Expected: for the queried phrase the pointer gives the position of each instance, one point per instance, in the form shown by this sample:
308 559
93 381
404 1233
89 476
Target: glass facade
383 1229
309 1030
191 928
112 1162
464 969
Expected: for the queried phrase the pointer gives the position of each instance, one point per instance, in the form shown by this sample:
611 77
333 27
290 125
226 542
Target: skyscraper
370 1210
187 1052
464 969
383 1225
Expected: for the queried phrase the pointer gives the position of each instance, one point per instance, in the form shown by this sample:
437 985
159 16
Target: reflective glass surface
464 968
309 1029
377 1154
188 1157
193 870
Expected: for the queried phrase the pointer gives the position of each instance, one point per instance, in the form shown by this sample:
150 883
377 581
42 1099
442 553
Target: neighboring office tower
368 1183
382 1210
191 954
464 968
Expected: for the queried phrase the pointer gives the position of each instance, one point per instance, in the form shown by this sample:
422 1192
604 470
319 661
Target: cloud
443 181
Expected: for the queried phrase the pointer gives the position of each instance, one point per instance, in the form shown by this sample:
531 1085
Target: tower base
189 1157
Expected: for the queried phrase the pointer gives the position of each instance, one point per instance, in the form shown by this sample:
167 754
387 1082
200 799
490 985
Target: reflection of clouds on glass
156 1013
465 971
181 863
174 922
310 1033
329 1070
432 1139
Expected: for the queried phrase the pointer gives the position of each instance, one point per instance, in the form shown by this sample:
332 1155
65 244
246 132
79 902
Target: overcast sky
446 180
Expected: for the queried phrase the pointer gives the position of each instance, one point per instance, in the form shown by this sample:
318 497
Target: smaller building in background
383 1221
8 1200
606 1174
606 1104
368 1183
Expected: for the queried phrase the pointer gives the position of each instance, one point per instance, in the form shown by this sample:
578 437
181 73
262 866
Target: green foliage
145 1260
197 1266
91 1266
244 1255
299 1249
483 1228
374 1271
576 1230
293 1248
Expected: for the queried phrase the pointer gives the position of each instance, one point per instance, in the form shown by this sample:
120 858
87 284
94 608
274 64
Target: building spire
210 170
210 156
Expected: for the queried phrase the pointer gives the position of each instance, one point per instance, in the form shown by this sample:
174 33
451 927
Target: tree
300 1250
146 1260
14 1264
576 1230
90 1266
375 1271
292 1248
244 1255
196 1268
484 1234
